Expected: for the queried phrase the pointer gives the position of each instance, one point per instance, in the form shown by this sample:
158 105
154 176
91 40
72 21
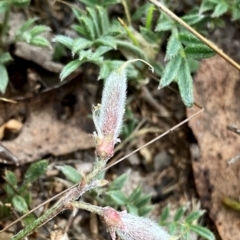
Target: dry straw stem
194 32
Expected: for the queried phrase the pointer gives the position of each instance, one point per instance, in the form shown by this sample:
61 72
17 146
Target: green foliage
181 48
5 5
98 36
30 34
184 222
27 33
142 11
185 83
19 204
164 23
21 3
71 173
219 8
170 72
35 171
137 202
19 195
130 123
69 68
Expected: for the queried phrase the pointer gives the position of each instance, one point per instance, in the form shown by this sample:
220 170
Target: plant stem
194 32
86 184
52 212
129 32
88 207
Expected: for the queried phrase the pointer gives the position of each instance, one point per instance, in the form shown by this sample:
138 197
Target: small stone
134 159
162 160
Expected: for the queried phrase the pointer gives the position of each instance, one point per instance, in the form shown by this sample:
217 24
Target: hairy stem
85 185
52 212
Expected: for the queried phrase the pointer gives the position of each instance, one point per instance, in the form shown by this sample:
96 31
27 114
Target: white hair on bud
113 104
140 228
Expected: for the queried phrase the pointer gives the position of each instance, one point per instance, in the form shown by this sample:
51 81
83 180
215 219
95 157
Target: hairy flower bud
131 227
108 118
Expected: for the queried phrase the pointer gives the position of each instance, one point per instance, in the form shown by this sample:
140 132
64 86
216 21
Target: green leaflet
71 173
198 51
170 71
80 44
185 83
64 40
19 204
35 171
3 78
220 9
202 231
173 46
69 68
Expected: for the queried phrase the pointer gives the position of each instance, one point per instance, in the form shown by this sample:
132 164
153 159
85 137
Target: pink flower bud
131 227
108 120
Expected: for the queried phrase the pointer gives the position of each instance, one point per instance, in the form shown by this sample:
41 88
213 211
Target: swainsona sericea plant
109 117
131 227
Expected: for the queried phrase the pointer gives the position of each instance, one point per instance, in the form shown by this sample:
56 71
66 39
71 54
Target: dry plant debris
217 88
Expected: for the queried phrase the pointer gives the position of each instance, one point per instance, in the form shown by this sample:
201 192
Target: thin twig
194 32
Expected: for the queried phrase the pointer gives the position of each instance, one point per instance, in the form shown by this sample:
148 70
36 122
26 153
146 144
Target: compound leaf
202 231
35 171
69 68
170 71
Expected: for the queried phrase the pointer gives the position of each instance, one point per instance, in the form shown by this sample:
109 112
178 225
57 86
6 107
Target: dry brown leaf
55 122
217 89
